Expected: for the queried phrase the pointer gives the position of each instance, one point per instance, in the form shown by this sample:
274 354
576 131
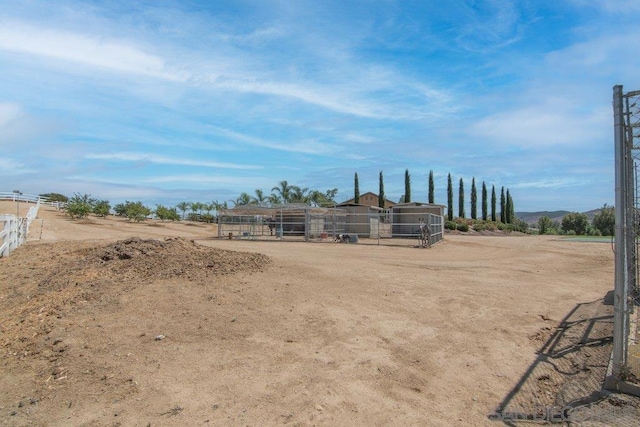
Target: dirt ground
106 322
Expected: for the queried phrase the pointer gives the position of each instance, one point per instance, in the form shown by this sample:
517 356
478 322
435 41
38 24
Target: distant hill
532 217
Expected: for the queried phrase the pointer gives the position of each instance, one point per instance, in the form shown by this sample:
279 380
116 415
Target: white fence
27 198
13 229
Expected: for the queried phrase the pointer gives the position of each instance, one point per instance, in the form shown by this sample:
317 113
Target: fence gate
625 360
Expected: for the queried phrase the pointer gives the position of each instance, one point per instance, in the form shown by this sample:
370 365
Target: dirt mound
49 281
151 259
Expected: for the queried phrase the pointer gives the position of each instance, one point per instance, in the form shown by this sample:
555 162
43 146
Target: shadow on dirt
564 383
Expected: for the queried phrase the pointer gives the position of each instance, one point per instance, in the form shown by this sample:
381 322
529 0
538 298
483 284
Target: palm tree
215 206
260 198
298 195
316 198
196 207
183 206
243 200
283 190
274 199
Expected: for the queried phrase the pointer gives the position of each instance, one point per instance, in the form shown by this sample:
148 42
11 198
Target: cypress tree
449 199
407 186
432 188
511 215
484 201
513 209
503 206
474 199
493 203
461 199
356 189
381 195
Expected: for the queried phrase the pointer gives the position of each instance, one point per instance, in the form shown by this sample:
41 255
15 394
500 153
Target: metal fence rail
311 224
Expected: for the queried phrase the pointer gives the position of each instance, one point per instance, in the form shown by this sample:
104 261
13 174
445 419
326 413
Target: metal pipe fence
362 224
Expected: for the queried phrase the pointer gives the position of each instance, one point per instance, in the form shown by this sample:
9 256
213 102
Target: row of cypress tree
506 213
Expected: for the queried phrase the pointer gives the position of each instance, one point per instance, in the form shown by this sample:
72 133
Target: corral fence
13 228
349 223
624 372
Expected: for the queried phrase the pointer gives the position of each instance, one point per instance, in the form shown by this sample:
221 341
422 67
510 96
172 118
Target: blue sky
164 101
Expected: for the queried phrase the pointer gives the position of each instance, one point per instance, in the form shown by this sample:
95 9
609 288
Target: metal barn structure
399 225
277 222
405 216
624 372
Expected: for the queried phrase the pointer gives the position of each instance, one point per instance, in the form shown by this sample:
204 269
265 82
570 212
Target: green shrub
463 227
450 225
164 213
605 221
596 232
79 206
55 197
485 226
102 208
120 209
505 227
576 222
520 225
134 211
209 218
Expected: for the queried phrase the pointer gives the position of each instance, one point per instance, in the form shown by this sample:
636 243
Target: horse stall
291 221
407 217
362 220
399 225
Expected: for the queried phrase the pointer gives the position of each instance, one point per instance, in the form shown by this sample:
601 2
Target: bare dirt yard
106 322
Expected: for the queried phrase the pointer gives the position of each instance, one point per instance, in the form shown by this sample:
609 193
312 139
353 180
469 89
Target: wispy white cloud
256 37
365 102
303 147
122 56
549 183
313 92
19 129
13 167
489 25
166 160
610 6
200 179
8 113
550 124
113 55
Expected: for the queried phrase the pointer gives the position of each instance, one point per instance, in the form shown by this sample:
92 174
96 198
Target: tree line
81 205
578 224
489 216
490 219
